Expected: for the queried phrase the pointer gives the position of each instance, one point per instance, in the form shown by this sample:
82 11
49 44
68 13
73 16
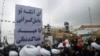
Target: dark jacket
47 47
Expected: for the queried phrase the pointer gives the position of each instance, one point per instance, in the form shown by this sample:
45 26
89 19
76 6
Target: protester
46 46
96 45
14 48
6 50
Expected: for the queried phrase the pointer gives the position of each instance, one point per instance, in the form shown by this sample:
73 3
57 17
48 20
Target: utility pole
90 18
1 20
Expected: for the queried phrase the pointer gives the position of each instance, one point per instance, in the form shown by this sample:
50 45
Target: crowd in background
80 48
62 47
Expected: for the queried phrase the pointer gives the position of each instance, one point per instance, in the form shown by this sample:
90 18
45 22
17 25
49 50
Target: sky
55 12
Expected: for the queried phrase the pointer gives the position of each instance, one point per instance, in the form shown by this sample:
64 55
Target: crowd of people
76 47
62 47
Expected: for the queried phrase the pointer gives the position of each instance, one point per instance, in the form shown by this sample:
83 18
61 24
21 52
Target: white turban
30 50
67 41
95 45
45 52
60 45
13 53
55 51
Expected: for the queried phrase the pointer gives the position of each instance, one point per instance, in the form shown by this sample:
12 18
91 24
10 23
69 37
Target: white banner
28 25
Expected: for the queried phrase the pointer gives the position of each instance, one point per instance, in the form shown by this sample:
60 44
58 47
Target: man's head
98 40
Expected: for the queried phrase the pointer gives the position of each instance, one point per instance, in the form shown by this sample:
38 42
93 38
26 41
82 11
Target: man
9 48
46 46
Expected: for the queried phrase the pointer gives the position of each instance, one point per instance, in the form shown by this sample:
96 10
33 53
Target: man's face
46 43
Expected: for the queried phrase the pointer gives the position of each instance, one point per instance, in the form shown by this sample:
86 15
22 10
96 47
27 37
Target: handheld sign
28 25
